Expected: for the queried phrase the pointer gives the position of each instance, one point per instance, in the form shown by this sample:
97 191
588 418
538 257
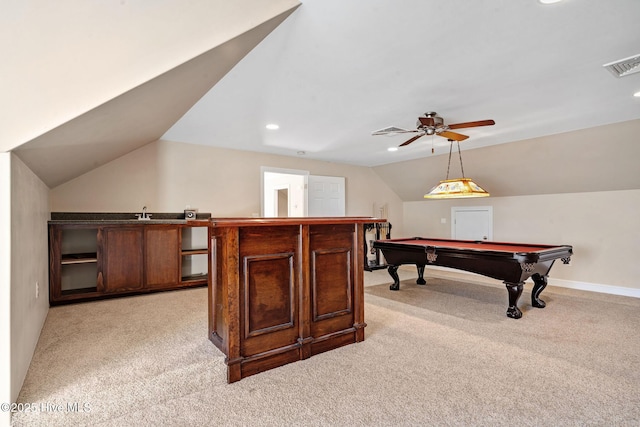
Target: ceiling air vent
624 67
389 130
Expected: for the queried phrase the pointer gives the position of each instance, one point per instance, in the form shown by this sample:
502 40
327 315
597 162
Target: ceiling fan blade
427 121
472 124
453 135
411 140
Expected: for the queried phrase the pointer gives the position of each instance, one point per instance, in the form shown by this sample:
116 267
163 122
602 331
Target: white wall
602 227
5 285
166 176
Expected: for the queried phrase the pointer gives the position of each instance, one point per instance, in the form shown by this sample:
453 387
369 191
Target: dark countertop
105 218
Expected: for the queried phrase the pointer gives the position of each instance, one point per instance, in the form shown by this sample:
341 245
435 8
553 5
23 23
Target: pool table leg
540 282
515 290
393 272
421 280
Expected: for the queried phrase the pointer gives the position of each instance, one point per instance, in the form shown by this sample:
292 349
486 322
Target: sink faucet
144 215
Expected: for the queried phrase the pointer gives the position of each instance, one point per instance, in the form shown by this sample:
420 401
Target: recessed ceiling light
637 94
272 126
392 149
549 1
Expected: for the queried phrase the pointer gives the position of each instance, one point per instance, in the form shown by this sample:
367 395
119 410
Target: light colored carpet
441 354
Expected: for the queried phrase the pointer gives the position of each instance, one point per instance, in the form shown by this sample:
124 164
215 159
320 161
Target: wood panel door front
161 256
332 279
122 258
269 288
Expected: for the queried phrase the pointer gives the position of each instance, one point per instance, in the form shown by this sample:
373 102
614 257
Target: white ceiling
337 70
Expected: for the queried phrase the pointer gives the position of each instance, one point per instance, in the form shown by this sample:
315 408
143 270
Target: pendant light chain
460 155
449 164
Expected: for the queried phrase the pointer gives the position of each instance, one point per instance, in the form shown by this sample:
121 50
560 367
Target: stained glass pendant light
456 188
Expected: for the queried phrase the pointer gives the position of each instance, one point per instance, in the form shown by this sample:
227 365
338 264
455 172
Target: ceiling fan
432 124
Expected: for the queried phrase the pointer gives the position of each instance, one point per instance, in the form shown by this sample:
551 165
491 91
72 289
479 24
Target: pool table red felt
479 245
512 263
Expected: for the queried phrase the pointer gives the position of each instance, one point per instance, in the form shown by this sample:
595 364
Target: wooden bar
284 289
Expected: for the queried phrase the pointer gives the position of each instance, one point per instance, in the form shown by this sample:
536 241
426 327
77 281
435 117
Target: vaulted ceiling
334 71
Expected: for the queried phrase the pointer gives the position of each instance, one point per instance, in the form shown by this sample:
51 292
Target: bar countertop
123 218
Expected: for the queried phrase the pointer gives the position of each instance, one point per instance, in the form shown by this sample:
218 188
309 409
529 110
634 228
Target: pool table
512 263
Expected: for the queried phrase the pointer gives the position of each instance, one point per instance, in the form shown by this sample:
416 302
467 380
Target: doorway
283 192
295 193
282 202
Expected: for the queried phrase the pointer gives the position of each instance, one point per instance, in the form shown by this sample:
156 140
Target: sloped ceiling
137 117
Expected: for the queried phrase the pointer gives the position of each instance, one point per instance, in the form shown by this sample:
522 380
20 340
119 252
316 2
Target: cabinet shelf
194 251
195 278
79 258
80 291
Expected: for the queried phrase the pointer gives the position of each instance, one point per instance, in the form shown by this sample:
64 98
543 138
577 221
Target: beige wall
166 176
29 264
602 227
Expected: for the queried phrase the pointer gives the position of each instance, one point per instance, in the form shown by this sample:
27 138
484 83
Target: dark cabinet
121 254
161 266
90 261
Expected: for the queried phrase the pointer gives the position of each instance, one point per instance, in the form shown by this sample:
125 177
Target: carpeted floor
440 354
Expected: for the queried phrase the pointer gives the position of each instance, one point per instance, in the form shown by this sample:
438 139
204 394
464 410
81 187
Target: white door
472 223
326 195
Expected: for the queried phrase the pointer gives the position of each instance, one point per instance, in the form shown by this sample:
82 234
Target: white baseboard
596 287
569 284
